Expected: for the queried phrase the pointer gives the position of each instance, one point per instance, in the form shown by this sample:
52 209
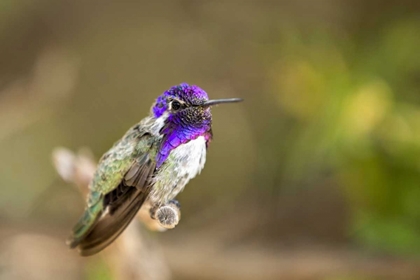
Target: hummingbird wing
120 186
122 208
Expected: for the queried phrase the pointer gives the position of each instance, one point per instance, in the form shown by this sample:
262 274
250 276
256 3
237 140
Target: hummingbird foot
168 215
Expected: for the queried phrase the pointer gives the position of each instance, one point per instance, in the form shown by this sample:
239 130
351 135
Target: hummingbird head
185 110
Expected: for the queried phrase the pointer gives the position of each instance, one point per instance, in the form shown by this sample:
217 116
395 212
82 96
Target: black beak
220 101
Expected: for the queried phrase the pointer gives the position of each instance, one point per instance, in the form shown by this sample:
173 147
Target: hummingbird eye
176 105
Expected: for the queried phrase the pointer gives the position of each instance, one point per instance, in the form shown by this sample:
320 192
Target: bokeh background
315 176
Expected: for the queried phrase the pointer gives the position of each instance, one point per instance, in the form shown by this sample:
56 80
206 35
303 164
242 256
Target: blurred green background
315 176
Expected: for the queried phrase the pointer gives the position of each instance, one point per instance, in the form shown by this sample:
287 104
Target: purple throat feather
185 126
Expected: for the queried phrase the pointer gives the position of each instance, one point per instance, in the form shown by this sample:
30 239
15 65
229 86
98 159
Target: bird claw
168 215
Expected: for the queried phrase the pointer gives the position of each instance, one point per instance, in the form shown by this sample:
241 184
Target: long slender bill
221 101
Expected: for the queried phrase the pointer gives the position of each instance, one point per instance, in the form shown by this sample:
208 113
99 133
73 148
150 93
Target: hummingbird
150 164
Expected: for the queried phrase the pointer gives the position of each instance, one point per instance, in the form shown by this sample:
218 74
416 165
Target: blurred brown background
315 176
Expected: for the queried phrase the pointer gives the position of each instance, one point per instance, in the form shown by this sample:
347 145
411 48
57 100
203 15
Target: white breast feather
191 157
183 164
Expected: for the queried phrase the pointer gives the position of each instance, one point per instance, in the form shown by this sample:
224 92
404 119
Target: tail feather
85 224
106 229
